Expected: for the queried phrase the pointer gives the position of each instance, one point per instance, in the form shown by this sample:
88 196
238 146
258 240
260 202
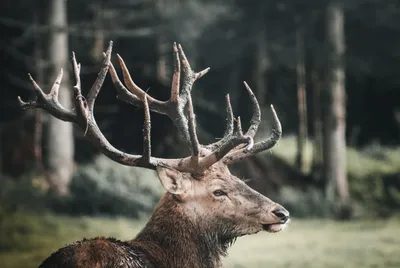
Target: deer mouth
275 227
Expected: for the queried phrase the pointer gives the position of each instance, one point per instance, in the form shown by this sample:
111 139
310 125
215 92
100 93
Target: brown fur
160 244
192 229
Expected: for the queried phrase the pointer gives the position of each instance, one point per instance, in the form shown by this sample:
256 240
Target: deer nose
281 214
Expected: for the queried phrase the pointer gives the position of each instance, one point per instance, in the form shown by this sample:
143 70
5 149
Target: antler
240 153
179 108
180 102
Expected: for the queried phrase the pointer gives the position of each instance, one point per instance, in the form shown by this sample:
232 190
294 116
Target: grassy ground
25 240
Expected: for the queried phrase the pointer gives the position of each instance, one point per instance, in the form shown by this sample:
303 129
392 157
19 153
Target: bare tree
59 161
317 124
301 100
39 71
334 124
262 63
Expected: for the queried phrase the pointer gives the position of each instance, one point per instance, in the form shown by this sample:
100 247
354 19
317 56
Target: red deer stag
205 208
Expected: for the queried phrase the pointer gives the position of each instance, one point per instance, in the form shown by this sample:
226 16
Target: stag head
225 204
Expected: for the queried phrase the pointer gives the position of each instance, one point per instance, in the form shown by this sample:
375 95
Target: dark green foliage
374 184
310 203
374 195
106 187
101 187
378 193
20 194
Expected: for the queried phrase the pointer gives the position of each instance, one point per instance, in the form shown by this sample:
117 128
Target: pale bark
301 102
38 128
163 48
60 134
317 125
335 107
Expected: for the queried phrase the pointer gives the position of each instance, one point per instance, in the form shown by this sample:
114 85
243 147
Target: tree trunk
161 64
335 108
60 134
1 151
301 102
260 73
162 46
38 127
99 36
317 125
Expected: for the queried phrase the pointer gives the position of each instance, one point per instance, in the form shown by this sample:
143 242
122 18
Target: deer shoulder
98 252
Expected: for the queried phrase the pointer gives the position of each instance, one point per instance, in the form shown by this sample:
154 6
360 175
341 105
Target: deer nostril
281 213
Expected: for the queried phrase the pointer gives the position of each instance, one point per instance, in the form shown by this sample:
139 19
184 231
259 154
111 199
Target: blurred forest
329 67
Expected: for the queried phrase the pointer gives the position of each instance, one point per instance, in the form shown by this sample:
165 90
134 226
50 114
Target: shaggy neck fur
172 239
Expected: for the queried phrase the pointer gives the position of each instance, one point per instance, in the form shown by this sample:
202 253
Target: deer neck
175 239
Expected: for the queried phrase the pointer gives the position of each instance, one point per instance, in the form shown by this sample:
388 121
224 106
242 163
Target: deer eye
219 193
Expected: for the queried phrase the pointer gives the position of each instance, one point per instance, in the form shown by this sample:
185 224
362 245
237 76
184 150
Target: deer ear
173 181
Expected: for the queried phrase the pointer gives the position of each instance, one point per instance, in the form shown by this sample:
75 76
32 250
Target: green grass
327 244
25 240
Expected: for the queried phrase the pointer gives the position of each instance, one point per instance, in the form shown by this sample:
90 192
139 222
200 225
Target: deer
204 209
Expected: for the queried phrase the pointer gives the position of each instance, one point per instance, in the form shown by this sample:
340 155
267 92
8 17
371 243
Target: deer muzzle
282 217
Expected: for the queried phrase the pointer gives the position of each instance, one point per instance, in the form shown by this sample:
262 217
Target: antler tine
254 122
259 146
256 118
80 101
98 83
228 129
56 86
127 96
233 137
76 67
232 142
176 78
188 77
48 101
122 92
194 141
223 150
238 129
135 89
229 117
146 131
231 150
